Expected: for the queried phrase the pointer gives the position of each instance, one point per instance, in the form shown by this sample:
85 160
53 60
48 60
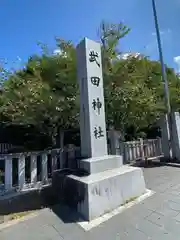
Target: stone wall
66 190
62 190
27 201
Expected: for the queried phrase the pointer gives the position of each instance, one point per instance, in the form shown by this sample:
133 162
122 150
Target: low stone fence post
114 138
71 156
142 149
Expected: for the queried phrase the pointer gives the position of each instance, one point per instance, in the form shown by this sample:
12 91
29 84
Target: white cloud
177 61
57 52
127 55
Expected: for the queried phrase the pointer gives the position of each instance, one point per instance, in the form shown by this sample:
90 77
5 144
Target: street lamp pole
163 69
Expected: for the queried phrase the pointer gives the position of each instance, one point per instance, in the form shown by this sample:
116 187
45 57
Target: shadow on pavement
66 214
155 164
148 164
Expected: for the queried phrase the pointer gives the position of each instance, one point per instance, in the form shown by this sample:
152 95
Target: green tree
110 36
45 93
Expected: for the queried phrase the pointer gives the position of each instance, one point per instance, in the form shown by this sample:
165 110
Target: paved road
157 217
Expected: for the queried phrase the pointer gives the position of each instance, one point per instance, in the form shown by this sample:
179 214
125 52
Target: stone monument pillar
92 123
109 183
165 135
173 150
175 117
92 112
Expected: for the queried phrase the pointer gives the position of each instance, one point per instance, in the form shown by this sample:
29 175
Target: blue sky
25 22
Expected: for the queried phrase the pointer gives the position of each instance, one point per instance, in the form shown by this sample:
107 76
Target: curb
171 164
16 221
87 226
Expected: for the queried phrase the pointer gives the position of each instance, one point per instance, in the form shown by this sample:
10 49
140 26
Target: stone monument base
99 193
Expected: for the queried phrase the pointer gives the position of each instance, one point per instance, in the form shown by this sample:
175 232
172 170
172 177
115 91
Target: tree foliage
45 93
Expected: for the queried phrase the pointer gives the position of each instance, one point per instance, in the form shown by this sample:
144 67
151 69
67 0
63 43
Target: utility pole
163 69
164 78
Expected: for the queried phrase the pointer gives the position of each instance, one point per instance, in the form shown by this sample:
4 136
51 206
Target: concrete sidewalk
157 217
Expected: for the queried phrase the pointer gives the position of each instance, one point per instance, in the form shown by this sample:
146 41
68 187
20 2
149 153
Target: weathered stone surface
164 125
176 135
103 193
67 190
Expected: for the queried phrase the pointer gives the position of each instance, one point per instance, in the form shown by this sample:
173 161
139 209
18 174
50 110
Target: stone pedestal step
101 164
